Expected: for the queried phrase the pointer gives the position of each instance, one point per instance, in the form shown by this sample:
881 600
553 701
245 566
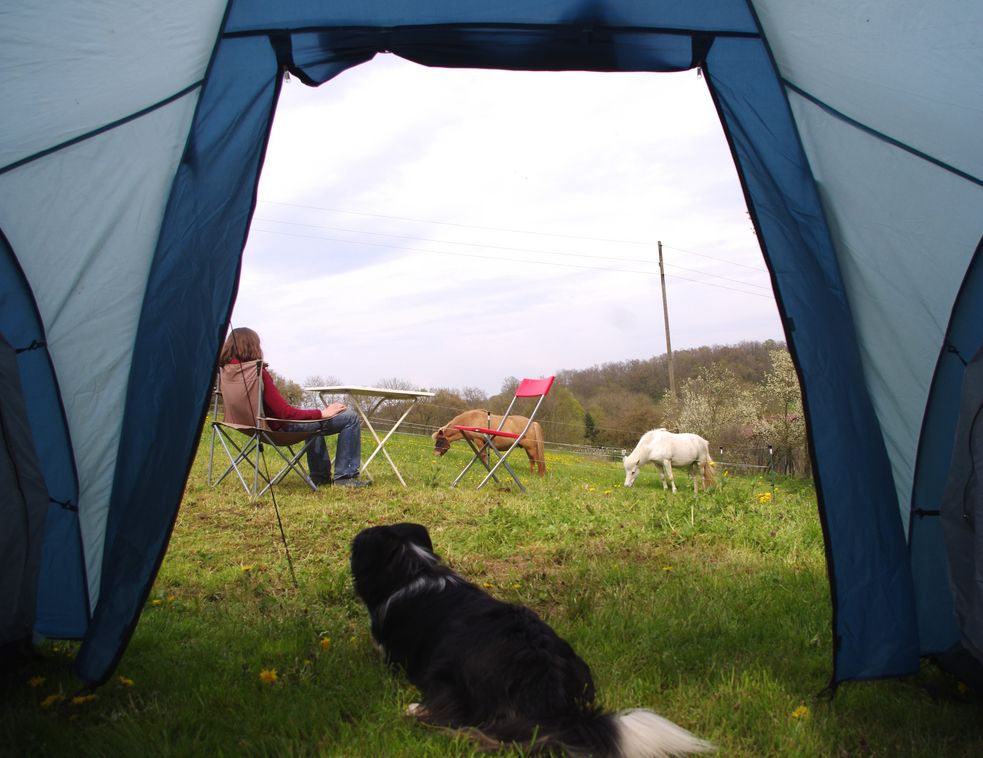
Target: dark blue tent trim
63 599
195 271
873 633
715 16
185 314
964 338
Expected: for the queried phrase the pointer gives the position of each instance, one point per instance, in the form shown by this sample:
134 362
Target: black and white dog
492 669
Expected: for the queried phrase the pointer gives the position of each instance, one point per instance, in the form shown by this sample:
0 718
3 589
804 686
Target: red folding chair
504 438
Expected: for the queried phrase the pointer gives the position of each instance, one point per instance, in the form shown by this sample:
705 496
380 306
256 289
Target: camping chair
531 390
240 386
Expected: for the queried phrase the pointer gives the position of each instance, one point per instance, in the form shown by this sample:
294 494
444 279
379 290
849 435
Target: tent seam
881 135
100 130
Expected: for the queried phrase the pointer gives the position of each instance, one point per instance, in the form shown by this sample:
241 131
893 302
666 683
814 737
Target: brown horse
532 443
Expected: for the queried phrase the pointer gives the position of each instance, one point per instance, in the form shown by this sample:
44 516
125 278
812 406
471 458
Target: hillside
748 361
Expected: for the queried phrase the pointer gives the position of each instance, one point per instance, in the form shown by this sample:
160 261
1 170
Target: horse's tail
708 469
540 448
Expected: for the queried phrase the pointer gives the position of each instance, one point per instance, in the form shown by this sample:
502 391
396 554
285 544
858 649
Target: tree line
743 398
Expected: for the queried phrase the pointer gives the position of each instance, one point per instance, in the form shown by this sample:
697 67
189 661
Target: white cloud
451 228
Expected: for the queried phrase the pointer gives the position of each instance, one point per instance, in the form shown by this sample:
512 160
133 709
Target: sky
453 228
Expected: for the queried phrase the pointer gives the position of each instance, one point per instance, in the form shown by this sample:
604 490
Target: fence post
771 469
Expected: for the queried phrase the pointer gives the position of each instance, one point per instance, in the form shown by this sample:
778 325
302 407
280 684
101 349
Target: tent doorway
404 208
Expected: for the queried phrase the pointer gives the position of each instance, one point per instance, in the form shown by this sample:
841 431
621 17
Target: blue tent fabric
22 509
801 140
62 607
937 625
962 512
792 225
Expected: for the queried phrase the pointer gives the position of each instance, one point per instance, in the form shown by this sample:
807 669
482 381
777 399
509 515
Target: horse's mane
633 457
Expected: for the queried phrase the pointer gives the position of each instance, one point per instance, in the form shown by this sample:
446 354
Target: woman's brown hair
242 344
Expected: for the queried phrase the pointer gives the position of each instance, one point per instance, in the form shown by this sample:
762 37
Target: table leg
392 430
380 443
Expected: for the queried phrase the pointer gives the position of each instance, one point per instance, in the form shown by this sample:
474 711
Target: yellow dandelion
156 601
592 489
607 492
800 713
52 700
245 569
82 699
267 676
126 681
35 681
171 598
516 586
667 569
488 584
325 643
764 497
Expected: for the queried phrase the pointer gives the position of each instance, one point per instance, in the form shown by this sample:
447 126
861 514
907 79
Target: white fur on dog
418 586
643 734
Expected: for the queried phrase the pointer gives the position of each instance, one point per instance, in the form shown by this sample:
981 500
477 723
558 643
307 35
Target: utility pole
665 314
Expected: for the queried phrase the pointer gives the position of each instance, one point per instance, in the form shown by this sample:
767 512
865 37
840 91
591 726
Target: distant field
713 611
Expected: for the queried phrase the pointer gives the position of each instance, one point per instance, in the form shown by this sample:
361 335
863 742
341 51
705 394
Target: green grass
713 611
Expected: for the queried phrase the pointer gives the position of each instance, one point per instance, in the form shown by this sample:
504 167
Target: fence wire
383 424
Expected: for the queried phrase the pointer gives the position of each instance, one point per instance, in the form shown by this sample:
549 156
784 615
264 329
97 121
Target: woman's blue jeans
348 455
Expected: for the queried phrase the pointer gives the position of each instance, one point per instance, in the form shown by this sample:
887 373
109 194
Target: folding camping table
381 394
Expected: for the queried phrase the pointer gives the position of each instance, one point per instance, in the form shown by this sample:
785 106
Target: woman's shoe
352 481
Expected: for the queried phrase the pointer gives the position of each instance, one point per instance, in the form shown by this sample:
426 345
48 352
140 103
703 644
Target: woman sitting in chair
242 345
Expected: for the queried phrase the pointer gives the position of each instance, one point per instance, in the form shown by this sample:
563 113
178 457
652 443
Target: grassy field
713 611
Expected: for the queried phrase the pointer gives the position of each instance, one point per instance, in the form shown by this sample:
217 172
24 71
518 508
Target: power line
514 260
650 244
713 258
515 250
460 226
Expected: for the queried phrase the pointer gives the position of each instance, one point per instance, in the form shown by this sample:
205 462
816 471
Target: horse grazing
532 443
670 450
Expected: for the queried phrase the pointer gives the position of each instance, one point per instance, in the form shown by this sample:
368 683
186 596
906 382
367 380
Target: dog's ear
439 434
415 533
372 553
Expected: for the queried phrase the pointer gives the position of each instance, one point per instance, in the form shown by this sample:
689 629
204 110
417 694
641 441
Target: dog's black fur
492 667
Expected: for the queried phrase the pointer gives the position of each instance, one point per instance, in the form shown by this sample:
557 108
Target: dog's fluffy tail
630 734
643 734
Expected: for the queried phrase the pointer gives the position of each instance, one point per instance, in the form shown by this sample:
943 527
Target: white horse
670 450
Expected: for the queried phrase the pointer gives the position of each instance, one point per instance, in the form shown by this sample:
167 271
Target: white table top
371 391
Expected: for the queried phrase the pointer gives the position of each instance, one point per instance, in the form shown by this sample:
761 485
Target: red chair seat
534 390
485 430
